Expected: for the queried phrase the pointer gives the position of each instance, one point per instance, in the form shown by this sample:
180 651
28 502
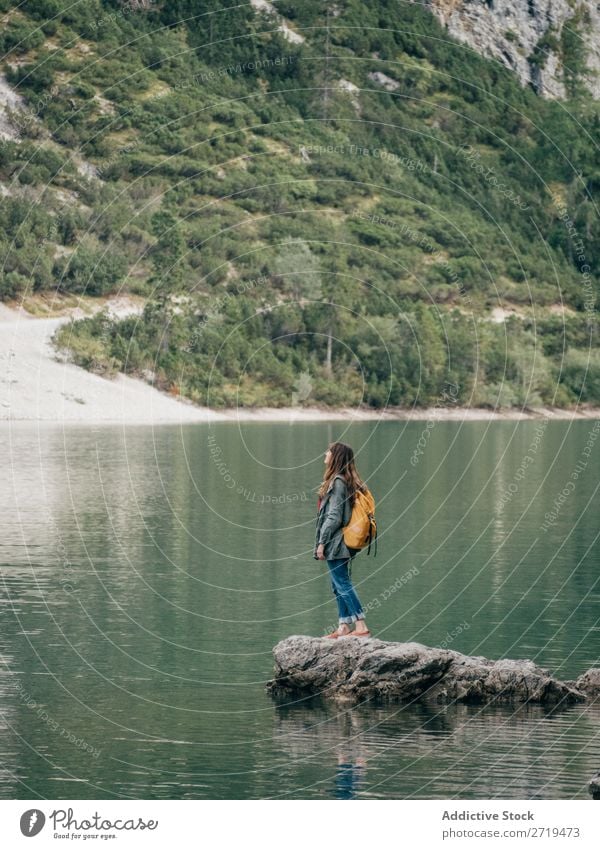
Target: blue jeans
349 607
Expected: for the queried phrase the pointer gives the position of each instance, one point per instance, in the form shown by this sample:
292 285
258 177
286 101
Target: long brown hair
342 463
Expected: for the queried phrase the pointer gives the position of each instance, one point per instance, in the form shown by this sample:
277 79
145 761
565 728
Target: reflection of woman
336 498
349 778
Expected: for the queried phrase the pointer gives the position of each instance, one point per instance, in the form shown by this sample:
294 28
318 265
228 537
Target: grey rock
356 668
589 682
527 36
594 786
10 101
383 80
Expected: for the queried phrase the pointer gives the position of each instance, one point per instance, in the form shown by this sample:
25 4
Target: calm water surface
147 574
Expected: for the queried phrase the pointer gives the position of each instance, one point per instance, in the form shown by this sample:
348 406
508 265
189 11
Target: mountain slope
332 203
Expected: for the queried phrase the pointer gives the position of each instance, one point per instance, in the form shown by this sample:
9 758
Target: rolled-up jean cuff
347 620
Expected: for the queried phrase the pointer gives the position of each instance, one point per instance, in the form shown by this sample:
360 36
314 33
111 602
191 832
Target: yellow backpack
361 530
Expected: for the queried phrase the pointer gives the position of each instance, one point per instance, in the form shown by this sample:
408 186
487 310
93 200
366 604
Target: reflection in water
426 750
140 599
9 767
349 778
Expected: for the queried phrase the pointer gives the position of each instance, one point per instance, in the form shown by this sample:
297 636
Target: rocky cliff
9 100
553 45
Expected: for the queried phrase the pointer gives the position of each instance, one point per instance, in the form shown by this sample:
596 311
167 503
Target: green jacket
334 514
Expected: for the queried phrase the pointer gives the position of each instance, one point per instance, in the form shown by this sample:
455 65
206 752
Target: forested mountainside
319 202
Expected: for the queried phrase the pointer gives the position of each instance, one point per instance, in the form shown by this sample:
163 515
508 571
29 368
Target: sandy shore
37 385
450 414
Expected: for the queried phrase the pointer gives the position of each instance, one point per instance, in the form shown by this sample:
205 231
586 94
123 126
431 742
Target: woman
336 498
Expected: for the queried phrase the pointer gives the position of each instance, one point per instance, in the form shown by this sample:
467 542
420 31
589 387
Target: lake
148 572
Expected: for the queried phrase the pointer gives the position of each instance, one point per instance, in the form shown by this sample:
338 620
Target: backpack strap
372 535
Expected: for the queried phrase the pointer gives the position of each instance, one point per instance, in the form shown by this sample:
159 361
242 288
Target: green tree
166 255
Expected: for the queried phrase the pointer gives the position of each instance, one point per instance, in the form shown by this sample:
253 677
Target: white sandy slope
37 385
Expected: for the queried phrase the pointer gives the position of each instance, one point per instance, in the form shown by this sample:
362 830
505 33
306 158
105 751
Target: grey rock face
9 99
527 36
354 668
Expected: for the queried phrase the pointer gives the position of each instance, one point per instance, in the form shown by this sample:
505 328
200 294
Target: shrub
90 272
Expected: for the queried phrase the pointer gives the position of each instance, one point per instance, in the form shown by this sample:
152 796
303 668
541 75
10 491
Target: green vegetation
548 43
574 52
287 229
